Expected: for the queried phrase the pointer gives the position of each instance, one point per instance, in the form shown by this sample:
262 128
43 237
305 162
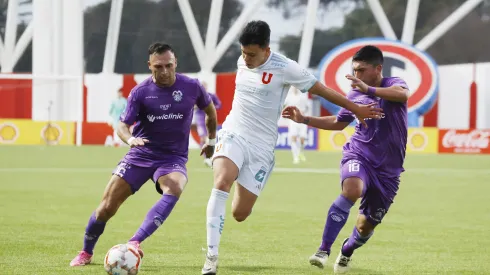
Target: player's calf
172 186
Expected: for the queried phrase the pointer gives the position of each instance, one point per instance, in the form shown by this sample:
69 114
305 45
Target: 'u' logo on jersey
266 78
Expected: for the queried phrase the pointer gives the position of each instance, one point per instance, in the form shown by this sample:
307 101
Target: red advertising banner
470 141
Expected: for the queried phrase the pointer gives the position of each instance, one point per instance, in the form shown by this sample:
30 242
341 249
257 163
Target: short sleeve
203 98
132 108
216 101
298 77
396 81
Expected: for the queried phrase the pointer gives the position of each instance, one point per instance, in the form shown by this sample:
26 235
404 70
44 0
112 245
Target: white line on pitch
277 170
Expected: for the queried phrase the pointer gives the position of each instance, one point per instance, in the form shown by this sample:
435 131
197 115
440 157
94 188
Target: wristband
371 91
131 139
211 141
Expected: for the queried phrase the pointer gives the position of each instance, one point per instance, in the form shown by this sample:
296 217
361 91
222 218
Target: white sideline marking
276 170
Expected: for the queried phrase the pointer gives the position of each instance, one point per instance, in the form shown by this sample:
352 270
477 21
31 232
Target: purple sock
155 217
355 241
93 231
336 219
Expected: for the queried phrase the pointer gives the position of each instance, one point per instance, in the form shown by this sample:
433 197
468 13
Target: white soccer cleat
302 157
319 259
208 162
341 265
295 160
211 265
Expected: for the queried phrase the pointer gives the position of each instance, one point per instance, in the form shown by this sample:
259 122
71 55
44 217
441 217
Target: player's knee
171 187
223 184
240 215
105 211
352 189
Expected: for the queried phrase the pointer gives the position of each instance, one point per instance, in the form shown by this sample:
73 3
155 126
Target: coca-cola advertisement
470 141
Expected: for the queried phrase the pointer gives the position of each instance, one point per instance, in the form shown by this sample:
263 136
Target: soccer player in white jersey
297 132
246 142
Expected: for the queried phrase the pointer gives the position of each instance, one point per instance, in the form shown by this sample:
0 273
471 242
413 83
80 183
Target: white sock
295 149
215 219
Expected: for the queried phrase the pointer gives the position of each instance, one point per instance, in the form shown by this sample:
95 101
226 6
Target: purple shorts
136 176
378 192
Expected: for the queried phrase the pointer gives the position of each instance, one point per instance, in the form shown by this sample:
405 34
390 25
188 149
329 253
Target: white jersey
259 97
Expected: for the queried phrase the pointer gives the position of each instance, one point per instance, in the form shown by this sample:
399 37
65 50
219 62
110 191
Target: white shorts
298 130
254 164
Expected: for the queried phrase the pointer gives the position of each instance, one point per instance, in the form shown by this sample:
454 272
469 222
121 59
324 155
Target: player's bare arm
211 125
125 135
361 112
325 123
393 93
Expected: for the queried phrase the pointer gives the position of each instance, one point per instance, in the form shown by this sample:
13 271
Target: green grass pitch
439 223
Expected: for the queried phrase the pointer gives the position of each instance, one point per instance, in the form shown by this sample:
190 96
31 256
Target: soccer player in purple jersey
373 158
162 107
200 120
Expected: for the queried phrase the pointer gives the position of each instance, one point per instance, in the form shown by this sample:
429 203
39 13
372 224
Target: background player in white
245 148
298 132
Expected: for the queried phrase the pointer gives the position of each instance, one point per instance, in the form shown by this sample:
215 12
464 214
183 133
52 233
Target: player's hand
207 150
368 111
357 83
133 142
293 113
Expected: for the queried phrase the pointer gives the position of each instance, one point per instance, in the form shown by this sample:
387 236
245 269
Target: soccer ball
122 259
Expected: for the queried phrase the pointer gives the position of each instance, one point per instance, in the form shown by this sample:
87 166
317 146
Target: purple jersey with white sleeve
383 144
163 115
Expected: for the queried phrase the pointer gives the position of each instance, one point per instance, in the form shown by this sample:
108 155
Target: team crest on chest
177 95
266 77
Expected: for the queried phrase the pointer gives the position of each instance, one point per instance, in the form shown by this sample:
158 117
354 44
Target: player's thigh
125 181
293 131
354 179
228 160
376 201
243 202
171 178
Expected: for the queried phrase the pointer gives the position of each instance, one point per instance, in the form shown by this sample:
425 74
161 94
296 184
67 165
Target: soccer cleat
342 263
137 245
295 160
83 258
302 157
208 162
211 265
319 259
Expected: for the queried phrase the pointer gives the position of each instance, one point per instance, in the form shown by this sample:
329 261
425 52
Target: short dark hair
256 33
369 54
159 48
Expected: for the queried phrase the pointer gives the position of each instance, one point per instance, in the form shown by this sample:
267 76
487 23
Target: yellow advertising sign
420 140
423 140
333 141
28 132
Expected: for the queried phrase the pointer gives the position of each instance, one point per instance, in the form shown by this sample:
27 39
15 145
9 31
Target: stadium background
53 92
